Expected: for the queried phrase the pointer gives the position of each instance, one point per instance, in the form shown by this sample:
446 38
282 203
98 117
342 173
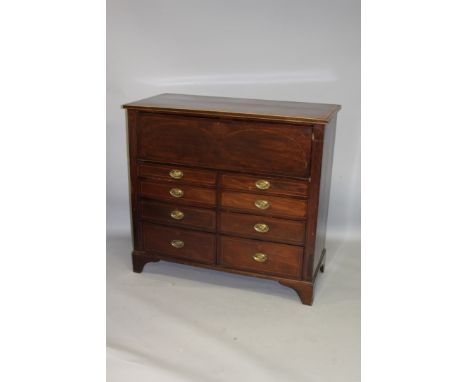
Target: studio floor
180 323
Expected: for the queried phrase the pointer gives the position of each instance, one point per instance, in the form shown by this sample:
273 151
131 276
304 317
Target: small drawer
177 173
264 204
179 215
265 185
179 193
180 243
262 257
263 227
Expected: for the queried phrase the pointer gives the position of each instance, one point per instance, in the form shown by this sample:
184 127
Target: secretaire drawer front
175 139
264 204
180 243
264 184
178 215
253 255
225 144
177 174
266 147
178 193
263 227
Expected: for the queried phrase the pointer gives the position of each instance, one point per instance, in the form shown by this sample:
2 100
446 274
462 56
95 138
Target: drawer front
176 139
266 147
265 185
269 258
225 144
178 193
178 215
264 204
177 174
263 227
180 243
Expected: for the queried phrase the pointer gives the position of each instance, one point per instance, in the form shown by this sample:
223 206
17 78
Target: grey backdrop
282 50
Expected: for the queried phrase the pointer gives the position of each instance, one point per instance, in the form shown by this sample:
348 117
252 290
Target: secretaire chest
235 185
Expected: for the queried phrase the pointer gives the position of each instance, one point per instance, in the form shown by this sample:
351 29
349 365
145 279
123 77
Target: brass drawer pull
177 243
260 257
262 204
176 174
262 184
177 215
176 192
261 227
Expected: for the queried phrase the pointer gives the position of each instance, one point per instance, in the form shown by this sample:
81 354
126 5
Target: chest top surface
237 107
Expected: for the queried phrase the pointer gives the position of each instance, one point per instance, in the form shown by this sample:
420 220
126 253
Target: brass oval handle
262 204
261 227
177 243
176 192
260 257
262 184
176 174
177 215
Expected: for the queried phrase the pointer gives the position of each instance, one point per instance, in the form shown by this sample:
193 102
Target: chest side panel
326 165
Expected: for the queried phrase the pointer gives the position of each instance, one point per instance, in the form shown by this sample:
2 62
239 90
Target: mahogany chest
233 185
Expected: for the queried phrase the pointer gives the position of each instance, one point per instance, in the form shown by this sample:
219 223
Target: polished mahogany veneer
235 185
188 244
185 175
264 204
179 193
262 227
270 258
180 215
276 186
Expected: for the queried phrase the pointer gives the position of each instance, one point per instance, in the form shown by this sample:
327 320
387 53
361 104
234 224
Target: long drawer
179 243
262 227
262 257
178 215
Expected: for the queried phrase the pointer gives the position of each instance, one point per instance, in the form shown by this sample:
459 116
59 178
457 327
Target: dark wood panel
197 246
229 145
262 227
326 165
132 121
177 174
177 139
272 186
191 194
281 259
237 107
178 215
281 149
280 206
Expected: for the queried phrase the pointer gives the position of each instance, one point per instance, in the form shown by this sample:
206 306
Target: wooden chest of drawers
230 184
